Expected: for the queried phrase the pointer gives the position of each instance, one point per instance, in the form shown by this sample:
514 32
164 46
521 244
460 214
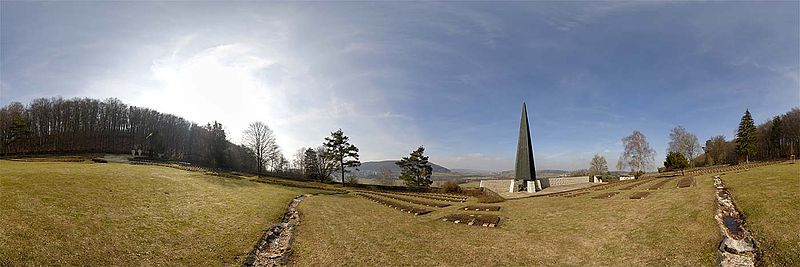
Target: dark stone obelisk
524 169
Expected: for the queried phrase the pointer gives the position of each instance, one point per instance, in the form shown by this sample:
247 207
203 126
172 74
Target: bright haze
393 76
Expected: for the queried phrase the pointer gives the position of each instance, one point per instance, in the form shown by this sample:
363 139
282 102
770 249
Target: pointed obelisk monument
525 171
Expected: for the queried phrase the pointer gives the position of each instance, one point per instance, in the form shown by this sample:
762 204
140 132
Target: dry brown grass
119 214
672 227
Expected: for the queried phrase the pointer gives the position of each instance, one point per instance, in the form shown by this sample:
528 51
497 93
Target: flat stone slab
686 182
640 195
482 208
473 219
605 195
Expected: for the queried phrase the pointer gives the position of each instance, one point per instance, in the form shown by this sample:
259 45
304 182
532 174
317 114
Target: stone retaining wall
548 182
507 185
498 186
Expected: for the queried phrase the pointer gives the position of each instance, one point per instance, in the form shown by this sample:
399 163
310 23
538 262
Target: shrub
450 187
351 180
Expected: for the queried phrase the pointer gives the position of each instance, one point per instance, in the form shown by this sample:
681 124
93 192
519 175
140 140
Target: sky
451 76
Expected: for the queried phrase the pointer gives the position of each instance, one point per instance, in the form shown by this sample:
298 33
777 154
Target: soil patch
686 182
639 195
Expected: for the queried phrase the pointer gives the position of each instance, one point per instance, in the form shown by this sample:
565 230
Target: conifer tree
219 144
415 169
746 137
19 132
311 165
676 161
340 152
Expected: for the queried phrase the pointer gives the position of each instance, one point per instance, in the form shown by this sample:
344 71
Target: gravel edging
275 246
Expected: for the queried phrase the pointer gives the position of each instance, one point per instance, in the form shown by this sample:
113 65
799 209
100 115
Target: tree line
85 125
777 138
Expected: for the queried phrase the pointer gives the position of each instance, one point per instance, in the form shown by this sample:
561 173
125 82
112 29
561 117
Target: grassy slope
770 199
672 227
119 214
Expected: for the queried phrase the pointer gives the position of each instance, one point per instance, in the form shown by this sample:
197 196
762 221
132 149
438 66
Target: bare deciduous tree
638 155
598 165
299 161
717 150
684 142
260 139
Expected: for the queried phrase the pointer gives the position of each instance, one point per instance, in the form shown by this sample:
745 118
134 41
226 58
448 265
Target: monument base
531 186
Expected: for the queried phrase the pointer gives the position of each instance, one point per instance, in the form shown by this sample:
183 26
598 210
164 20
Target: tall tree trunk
342 165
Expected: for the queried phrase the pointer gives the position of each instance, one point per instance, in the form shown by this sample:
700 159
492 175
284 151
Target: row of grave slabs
628 185
403 201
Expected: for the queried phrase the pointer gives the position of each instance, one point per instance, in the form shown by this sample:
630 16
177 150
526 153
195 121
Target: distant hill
473 171
372 168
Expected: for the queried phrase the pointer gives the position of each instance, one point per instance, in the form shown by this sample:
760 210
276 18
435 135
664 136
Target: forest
84 125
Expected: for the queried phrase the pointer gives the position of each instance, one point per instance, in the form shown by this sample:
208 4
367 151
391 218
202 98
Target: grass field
770 199
119 214
671 227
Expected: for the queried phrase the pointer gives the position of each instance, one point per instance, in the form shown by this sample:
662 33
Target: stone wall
498 186
548 182
507 185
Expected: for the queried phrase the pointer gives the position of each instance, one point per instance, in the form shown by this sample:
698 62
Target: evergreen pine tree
676 161
415 169
746 137
339 151
219 144
311 165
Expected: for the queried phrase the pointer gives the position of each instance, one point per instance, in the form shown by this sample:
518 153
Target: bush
351 180
450 187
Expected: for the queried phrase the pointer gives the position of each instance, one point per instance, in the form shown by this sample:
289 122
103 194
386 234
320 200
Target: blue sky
451 76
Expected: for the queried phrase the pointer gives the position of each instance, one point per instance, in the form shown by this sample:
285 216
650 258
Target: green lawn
672 227
770 199
119 214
